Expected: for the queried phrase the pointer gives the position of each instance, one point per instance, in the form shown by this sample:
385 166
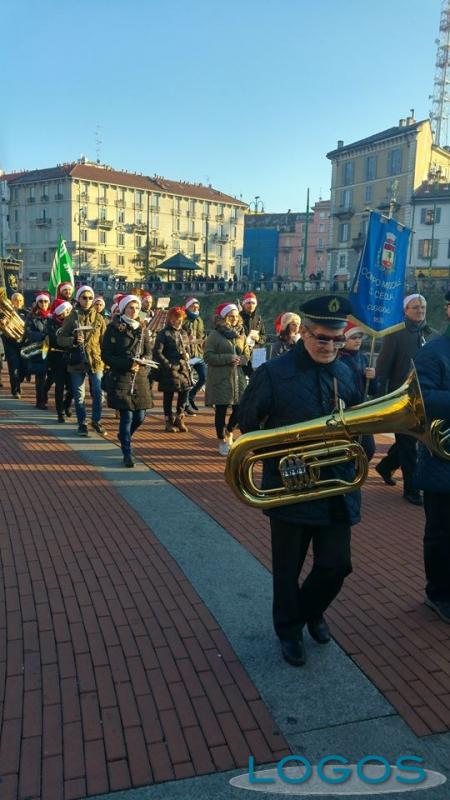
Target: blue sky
248 95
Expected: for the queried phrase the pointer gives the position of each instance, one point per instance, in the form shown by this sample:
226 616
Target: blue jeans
78 389
201 373
129 423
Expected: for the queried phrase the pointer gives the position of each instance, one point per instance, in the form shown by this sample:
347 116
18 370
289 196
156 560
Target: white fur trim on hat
190 302
411 297
353 331
64 305
227 308
129 298
84 289
287 318
114 308
42 296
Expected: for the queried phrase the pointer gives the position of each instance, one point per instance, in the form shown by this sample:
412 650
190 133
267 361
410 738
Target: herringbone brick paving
113 673
379 618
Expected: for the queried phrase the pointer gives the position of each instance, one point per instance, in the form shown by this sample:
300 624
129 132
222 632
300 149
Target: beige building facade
368 174
120 225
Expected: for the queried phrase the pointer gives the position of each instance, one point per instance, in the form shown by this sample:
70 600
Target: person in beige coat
226 352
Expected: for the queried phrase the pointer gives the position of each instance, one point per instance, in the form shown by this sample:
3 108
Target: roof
438 191
178 262
103 174
389 133
10 176
278 221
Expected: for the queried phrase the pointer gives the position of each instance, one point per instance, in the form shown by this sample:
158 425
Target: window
83 235
321 214
343 232
219 250
343 263
234 232
121 216
192 208
346 198
191 226
394 162
371 168
44 256
139 199
44 195
16 215
102 214
59 191
121 240
321 227
138 242
155 221
102 237
138 219
102 193
430 216
176 245
428 248
368 194
348 172
155 202
16 237
120 261
206 209
31 198
103 260
121 197
177 204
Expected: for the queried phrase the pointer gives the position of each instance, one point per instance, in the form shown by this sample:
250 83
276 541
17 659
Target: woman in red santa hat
226 353
287 327
171 352
253 325
36 330
57 365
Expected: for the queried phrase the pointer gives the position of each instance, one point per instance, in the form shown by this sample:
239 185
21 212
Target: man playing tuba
305 383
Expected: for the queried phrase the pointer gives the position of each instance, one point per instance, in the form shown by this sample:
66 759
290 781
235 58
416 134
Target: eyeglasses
86 297
337 341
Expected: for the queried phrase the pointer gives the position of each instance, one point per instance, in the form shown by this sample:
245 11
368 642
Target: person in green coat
226 353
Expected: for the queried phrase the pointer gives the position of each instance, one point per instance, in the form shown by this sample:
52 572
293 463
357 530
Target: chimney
340 144
401 123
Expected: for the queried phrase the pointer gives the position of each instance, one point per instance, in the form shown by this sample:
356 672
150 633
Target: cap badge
334 305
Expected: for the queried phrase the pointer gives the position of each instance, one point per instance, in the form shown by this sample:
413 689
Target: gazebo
178 265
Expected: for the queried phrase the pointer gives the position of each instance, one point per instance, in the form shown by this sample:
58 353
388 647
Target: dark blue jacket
433 369
291 389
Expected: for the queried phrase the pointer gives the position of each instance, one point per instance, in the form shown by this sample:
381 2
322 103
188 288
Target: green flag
61 268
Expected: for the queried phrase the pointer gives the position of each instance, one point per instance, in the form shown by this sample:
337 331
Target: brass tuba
305 449
10 323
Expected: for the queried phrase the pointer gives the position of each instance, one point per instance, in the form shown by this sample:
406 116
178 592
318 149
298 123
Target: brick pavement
379 618
113 673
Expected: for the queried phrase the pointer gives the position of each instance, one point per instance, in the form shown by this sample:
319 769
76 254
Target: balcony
181 234
220 217
45 198
221 237
176 212
139 205
104 223
158 249
59 196
140 227
43 222
195 235
344 212
358 241
205 216
119 203
320 248
31 199
102 201
83 197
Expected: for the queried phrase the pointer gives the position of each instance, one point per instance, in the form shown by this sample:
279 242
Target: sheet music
259 356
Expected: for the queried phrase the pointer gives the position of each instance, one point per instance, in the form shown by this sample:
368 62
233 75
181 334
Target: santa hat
114 308
83 289
407 300
249 296
283 320
99 297
62 286
190 302
351 329
225 308
128 298
146 295
59 306
42 296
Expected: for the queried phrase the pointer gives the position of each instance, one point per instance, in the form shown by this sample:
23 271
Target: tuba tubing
327 441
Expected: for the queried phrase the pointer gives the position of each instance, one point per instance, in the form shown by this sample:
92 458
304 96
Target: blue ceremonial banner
378 287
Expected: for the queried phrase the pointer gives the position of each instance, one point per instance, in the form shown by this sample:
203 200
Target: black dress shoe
128 461
385 474
319 630
193 404
293 651
440 607
414 498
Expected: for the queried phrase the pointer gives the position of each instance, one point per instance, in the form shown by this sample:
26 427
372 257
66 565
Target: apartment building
368 174
274 244
430 243
120 225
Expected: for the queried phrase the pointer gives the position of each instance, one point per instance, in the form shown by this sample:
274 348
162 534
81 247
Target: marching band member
36 329
100 306
287 327
306 383
195 329
126 383
226 354
359 365
64 291
81 335
171 352
16 366
57 365
253 325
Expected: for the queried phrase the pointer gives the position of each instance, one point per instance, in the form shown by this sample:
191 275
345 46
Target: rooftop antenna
440 98
98 142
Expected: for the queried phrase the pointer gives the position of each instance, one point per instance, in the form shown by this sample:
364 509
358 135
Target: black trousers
15 369
63 390
293 605
220 413
436 545
182 397
402 454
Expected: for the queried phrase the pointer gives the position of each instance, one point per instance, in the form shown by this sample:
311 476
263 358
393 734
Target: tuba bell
306 448
10 323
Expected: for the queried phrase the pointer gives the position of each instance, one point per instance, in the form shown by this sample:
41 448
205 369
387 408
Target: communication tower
440 96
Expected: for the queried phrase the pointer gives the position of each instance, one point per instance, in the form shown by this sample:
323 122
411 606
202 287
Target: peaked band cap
328 309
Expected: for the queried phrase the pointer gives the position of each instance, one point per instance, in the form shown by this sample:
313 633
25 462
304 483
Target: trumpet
305 449
35 349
